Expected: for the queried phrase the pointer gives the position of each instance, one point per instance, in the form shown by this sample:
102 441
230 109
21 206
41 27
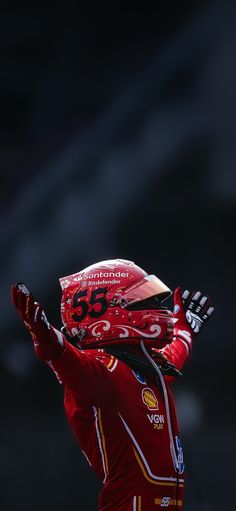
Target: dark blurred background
117 140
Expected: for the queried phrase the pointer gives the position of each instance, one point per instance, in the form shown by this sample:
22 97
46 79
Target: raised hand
192 309
45 337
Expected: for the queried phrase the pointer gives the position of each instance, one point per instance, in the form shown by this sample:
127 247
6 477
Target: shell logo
150 399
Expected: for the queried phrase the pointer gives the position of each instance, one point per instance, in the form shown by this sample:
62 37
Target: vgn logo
158 420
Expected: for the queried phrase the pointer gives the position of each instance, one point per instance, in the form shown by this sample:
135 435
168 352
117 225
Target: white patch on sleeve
185 334
60 337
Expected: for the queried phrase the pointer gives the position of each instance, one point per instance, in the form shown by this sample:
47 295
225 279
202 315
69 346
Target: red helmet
115 302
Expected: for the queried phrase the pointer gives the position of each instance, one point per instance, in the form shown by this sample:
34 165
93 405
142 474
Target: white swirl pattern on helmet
156 329
104 326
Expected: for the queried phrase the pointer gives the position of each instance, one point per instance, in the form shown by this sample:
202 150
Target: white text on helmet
105 274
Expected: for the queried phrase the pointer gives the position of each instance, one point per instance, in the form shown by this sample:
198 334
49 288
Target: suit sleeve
177 352
83 374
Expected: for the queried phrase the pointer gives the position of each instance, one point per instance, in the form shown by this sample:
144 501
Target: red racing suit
126 426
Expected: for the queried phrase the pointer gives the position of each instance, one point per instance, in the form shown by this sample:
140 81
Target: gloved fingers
201 305
192 309
18 289
185 296
178 301
208 313
20 298
15 296
197 302
35 315
25 303
199 311
190 298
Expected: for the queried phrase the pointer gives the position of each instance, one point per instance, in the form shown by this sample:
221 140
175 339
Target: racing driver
116 356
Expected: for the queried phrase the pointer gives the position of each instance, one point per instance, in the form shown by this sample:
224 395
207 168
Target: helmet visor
147 287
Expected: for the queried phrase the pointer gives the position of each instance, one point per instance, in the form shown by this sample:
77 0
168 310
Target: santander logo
103 274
